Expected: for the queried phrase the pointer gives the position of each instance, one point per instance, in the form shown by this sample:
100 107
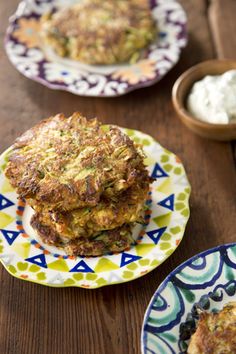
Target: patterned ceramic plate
25 256
208 281
37 62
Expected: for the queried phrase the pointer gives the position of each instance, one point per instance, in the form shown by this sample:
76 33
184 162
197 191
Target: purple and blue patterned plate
33 59
207 280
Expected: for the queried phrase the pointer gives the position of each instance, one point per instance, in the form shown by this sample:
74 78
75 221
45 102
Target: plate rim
171 274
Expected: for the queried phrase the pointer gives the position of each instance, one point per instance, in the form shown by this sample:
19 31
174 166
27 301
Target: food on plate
100 32
213 99
216 332
68 163
107 214
87 183
114 240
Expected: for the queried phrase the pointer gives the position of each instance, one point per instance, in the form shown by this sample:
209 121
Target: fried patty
115 240
100 32
216 332
106 215
87 183
69 163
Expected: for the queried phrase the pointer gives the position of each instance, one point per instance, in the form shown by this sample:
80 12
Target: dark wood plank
223 26
36 319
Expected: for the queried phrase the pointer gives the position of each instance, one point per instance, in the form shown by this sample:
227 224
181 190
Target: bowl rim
180 107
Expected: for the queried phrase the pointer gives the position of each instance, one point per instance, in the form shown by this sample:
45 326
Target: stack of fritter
87 183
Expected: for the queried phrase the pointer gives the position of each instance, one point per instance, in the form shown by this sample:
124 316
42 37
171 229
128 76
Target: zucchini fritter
115 240
68 163
87 183
100 32
106 215
216 332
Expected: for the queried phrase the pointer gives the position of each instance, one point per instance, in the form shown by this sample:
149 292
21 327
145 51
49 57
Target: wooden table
37 319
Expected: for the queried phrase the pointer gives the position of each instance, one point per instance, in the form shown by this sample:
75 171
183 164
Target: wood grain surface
40 320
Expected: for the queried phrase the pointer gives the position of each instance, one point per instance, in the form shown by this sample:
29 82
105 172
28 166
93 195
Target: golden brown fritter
101 32
115 240
106 215
68 163
87 183
216 332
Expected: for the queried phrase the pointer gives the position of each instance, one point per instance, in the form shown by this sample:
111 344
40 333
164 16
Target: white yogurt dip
213 99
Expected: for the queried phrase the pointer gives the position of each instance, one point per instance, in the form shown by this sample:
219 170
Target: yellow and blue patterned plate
25 256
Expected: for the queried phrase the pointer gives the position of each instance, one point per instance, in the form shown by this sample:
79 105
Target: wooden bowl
181 89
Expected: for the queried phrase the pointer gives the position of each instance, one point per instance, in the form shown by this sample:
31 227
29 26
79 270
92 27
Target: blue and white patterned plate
207 279
29 55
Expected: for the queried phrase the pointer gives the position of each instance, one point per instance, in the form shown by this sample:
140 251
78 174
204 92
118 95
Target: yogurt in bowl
204 98
213 99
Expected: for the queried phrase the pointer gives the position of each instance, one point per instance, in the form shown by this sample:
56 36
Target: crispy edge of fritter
215 333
